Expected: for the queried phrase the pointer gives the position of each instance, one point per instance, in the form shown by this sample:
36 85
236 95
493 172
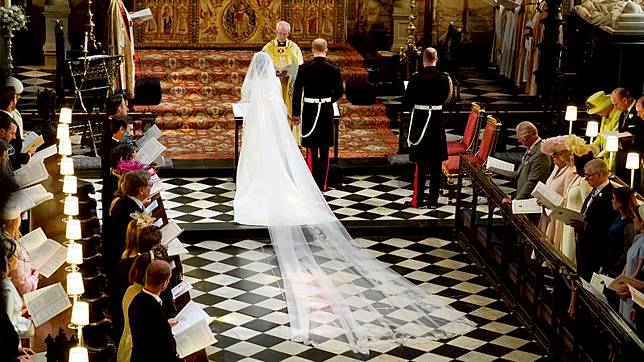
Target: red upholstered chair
469 136
451 166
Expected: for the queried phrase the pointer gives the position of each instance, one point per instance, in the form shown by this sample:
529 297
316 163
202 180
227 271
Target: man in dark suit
152 338
535 165
8 100
592 233
320 83
630 122
426 93
134 189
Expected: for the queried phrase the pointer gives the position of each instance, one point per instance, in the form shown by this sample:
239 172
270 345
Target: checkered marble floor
362 198
239 284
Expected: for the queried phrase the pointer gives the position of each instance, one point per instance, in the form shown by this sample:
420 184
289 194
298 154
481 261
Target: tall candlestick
85 44
7 3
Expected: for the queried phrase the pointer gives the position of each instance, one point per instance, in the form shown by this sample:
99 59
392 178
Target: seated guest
136 279
110 185
141 239
11 349
621 233
634 264
592 232
21 272
134 189
629 122
8 129
534 166
152 338
600 104
576 192
7 178
559 179
8 101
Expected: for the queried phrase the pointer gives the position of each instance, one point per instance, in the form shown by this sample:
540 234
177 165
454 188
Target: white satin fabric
334 288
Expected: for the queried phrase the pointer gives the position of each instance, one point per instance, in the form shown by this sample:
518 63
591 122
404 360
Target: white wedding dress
334 288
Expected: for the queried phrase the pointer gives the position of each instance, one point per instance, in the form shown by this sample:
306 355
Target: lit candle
85 44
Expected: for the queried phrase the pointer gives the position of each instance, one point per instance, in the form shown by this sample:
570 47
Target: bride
334 288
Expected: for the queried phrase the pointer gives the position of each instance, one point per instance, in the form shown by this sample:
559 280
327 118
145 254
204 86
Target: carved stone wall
239 23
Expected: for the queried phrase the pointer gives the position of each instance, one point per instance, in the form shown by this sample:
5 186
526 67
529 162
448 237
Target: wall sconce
73 230
62 131
65 147
70 184
633 163
75 283
71 206
571 116
65 116
66 166
592 130
78 354
80 314
612 145
74 253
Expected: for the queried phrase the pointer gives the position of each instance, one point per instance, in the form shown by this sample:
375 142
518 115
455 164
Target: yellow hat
597 102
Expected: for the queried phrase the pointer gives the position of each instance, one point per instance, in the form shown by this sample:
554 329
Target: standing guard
320 82
426 93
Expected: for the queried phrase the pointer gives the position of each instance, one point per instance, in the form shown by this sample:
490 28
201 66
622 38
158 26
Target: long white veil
334 288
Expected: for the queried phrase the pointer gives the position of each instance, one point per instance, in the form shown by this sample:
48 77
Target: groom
321 83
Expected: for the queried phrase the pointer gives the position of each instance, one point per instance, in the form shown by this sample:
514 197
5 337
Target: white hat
15 83
10 212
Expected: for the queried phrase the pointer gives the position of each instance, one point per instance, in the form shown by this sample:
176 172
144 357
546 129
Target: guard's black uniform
317 86
429 87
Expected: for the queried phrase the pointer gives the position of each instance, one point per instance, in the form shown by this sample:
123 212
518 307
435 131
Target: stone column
401 20
54 10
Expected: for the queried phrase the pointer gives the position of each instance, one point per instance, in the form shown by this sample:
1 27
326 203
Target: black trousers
317 159
420 177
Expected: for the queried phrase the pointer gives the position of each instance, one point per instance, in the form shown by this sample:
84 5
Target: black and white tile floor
362 198
239 284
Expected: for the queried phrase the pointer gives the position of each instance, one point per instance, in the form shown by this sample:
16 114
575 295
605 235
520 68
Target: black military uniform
427 91
320 83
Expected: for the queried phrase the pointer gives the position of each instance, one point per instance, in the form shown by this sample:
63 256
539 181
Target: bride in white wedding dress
334 288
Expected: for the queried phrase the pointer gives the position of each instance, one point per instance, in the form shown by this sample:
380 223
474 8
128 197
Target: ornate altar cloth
238 23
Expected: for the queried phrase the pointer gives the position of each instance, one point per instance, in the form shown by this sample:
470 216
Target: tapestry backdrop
238 23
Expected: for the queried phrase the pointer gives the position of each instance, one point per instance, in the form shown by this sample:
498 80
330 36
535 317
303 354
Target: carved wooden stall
539 287
602 59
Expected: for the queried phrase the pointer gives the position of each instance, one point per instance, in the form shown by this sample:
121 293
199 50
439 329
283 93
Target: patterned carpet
190 144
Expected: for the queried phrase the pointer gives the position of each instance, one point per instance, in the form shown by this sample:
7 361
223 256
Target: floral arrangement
12 18
125 166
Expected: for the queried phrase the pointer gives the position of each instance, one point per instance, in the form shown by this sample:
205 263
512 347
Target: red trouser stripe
326 174
309 160
414 199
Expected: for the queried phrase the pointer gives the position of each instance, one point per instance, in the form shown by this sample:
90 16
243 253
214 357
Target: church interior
546 274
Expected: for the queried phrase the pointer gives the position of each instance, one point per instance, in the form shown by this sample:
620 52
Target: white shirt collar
9 113
139 203
158 299
601 187
628 110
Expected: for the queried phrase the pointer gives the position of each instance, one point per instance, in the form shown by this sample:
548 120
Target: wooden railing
539 287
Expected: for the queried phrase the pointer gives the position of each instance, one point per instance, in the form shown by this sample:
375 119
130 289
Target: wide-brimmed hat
598 102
